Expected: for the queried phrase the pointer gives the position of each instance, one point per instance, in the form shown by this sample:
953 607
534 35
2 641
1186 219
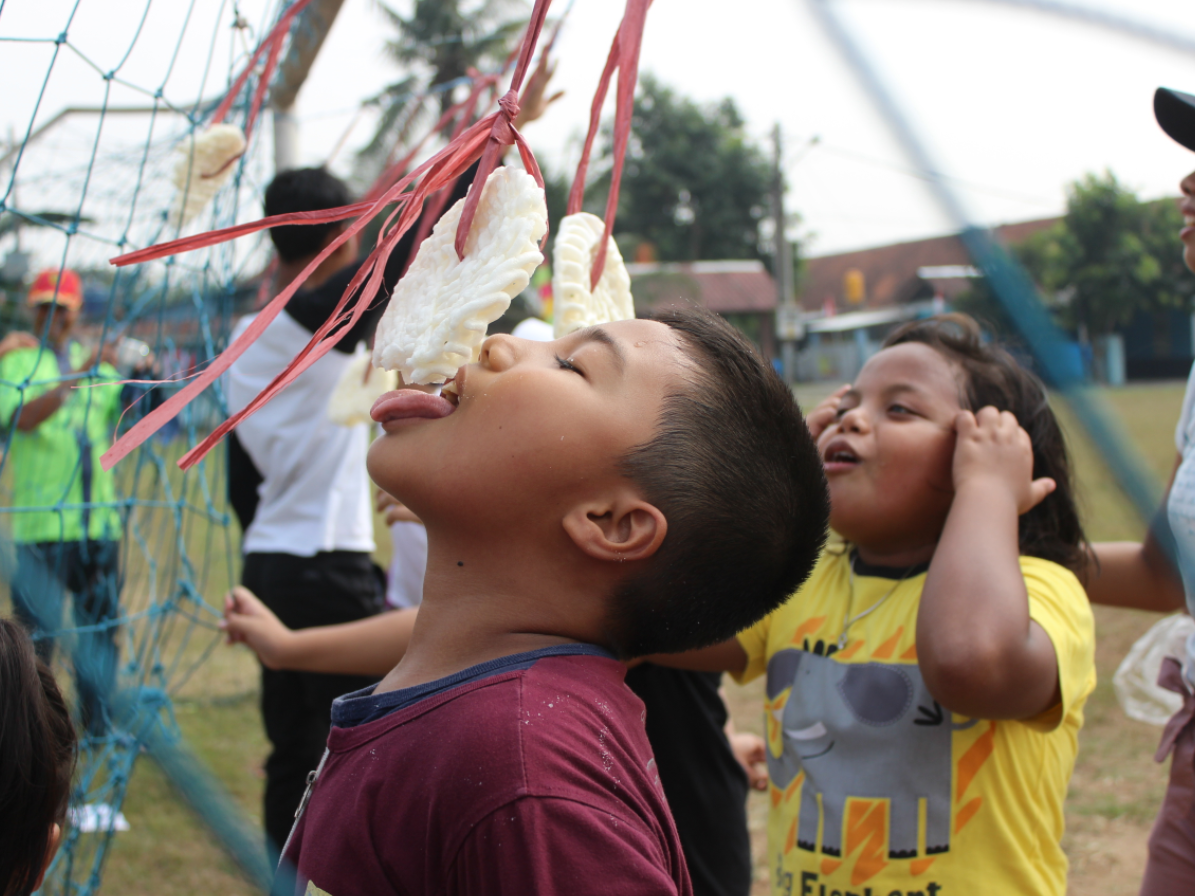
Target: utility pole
788 315
307 36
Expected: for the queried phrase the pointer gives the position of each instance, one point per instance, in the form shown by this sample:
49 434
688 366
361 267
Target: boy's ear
622 528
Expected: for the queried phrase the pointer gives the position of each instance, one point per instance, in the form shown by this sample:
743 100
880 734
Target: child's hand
823 415
248 621
751 752
993 448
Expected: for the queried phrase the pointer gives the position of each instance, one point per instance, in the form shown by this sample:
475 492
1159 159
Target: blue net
120 575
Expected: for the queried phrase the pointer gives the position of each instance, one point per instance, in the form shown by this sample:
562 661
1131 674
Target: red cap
62 287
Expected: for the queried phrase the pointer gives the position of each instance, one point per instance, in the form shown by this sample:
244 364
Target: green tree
437 43
694 185
1110 257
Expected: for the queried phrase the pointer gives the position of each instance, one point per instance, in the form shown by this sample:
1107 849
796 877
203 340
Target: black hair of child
991 376
37 759
737 475
304 190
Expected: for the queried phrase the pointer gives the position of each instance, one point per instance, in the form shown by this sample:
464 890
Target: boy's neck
488 606
289 270
896 556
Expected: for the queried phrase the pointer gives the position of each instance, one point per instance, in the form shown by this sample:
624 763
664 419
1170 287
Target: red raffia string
266 285
272 43
624 55
435 204
467 106
483 139
503 132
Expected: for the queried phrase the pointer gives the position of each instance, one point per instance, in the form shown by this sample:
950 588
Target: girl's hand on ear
820 418
994 451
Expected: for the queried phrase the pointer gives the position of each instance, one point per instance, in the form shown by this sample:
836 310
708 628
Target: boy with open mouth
640 487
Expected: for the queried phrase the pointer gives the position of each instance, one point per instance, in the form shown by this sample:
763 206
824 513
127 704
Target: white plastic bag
1136 680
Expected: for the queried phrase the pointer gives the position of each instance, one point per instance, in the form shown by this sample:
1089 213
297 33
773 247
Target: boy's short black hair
736 473
304 190
37 746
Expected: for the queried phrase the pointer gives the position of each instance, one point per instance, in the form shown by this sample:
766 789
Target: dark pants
90 571
705 786
329 588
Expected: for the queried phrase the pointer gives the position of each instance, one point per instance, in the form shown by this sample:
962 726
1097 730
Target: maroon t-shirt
532 781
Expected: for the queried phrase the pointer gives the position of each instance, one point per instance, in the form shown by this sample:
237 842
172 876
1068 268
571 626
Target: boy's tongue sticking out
408 405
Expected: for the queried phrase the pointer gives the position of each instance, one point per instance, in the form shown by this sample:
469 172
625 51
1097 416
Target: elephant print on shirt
863 730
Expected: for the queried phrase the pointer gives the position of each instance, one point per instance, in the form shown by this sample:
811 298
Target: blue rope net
130 612
121 577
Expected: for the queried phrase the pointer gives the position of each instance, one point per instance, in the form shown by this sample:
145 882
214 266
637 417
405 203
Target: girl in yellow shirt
925 685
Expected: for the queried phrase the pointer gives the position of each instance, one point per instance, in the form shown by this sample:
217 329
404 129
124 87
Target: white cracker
437 318
359 387
574 305
202 168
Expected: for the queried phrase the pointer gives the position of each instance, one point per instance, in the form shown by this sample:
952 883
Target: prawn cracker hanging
438 315
203 165
576 306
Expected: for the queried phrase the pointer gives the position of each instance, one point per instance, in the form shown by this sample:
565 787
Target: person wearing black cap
1138 575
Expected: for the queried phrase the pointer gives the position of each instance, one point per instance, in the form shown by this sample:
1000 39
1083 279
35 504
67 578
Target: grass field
1114 794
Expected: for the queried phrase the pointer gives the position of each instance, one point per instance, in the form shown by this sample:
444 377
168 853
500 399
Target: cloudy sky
1013 104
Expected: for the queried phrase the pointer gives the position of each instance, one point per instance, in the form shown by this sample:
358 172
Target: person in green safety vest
59 404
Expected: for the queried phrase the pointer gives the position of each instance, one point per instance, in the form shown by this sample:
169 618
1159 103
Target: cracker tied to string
445 328
359 386
576 303
203 165
438 315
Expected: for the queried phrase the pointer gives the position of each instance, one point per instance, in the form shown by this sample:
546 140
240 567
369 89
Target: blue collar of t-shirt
361 707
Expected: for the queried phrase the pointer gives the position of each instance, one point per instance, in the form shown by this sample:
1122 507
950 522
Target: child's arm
726 656
1135 574
978 650
371 646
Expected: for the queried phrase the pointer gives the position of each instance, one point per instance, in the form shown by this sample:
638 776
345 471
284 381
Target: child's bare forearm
1135 575
371 646
727 656
980 653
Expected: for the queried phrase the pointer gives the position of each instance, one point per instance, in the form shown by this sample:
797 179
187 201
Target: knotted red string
502 130
624 56
483 139
435 204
